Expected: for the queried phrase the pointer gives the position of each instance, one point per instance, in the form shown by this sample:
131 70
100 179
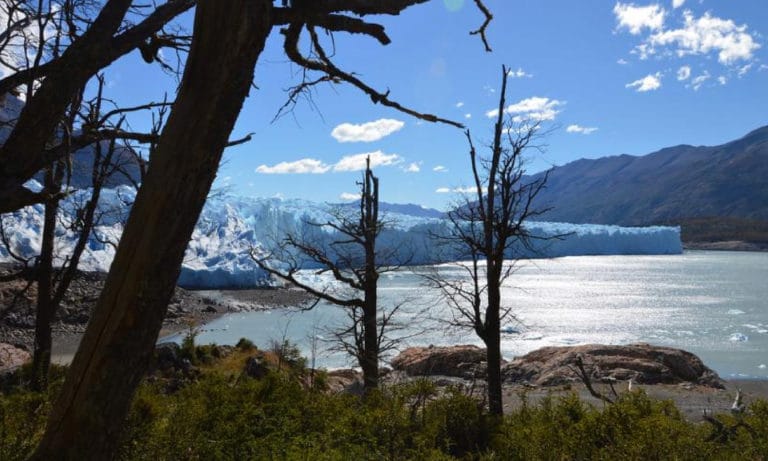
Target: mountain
667 186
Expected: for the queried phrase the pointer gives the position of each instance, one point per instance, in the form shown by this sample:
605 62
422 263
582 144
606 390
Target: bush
188 347
288 353
222 416
245 344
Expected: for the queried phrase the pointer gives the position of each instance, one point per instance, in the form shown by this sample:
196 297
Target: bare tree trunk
370 362
87 418
45 309
493 345
370 227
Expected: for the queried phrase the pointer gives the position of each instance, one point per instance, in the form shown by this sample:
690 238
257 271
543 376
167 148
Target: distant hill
672 185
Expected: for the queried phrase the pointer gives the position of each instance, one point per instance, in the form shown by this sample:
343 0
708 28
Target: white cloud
535 108
357 162
467 115
348 163
458 190
440 169
580 129
489 89
460 104
366 132
677 3
683 73
698 81
519 73
412 168
648 83
622 61
636 18
722 79
303 166
744 69
708 34
348 196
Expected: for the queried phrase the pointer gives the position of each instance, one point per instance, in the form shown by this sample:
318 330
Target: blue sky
608 77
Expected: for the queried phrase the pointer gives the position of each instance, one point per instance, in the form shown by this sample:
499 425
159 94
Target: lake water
714 304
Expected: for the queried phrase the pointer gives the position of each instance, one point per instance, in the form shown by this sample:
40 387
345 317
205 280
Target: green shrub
221 415
245 344
188 347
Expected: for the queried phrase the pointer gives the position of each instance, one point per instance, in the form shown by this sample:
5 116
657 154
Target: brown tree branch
481 30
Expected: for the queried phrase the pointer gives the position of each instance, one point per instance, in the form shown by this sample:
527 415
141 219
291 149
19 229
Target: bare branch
481 30
292 34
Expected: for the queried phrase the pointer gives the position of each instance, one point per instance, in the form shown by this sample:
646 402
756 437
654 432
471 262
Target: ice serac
230 228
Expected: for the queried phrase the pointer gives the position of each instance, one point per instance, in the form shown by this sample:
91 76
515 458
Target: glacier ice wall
230 228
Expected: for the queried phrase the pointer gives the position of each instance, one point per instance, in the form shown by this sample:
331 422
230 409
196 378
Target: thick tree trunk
87 418
493 345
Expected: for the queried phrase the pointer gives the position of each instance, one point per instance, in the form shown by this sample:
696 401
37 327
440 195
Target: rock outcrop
464 361
643 363
12 357
345 380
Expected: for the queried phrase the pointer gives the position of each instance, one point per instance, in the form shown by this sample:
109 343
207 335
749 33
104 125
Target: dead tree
354 261
229 36
53 282
487 227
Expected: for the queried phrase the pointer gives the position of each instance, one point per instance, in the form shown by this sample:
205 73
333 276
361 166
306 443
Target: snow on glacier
230 228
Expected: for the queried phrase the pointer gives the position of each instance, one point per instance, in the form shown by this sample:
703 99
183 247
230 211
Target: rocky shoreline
661 372
186 309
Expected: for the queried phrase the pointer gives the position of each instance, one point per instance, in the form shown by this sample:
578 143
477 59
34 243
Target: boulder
464 361
345 380
255 367
167 356
644 363
12 357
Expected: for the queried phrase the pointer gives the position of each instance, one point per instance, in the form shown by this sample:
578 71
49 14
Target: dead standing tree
356 263
52 282
486 228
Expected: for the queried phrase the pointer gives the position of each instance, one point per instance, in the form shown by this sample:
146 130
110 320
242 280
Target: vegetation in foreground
216 411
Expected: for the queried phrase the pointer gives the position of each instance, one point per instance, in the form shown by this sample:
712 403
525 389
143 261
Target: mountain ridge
669 184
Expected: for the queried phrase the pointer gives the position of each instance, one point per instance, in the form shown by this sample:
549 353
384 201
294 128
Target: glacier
231 227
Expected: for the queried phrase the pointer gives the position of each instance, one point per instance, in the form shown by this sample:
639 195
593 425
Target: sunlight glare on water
714 304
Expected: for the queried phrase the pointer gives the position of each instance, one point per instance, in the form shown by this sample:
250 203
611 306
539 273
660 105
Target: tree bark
41 359
370 227
370 362
87 418
493 346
